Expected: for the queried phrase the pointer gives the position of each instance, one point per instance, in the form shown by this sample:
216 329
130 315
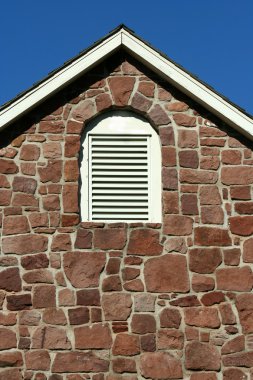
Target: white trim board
152 59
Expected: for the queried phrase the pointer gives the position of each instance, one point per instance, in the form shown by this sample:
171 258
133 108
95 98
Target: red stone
160 365
15 225
170 202
146 88
202 317
248 251
49 337
198 176
185 301
241 225
141 103
84 111
111 238
71 171
121 89
240 192
244 304
11 359
209 195
61 242
204 376
7 339
235 279
242 359
83 268
177 107
5 197
164 268
236 344
169 179
25 200
24 185
169 156
103 101
24 244
8 166
234 374
188 159
78 316
77 361
19 302
177 225
44 296
52 149
144 242
52 172
202 283
212 215
117 306
29 317
143 324
187 139
227 314
204 260
232 256
11 374
121 365
184 120
38 219
170 339
126 345
158 116
97 336
189 204
202 356
167 136
35 261
10 280
209 236
242 175
51 126
212 298
37 360
170 317
88 297
38 276
113 265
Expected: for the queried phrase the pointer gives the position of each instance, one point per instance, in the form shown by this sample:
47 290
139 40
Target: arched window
120 170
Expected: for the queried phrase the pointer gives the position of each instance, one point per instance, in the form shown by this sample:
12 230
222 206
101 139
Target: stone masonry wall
119 301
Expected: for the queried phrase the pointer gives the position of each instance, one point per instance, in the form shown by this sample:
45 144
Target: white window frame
123 123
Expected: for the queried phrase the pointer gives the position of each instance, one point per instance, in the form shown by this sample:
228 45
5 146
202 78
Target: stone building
126 223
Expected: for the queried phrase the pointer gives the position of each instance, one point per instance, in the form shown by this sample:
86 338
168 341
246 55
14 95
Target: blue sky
210 38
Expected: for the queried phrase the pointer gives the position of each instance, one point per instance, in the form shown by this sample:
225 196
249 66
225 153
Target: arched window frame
122 123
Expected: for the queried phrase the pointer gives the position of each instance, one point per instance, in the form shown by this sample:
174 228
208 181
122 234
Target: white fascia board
189 85
60 79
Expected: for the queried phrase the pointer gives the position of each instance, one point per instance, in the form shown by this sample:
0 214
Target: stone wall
119 301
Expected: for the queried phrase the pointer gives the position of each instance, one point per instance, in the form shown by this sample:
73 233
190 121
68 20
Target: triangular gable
122 37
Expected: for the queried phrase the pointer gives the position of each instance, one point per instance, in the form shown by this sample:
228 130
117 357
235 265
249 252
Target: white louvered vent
119 174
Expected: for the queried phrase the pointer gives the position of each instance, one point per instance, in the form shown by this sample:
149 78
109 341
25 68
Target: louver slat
119 177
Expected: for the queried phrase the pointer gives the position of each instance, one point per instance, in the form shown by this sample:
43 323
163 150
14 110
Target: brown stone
11 359
170 202
232 256
126 345
227 314
202 356
88 297
24 244
184 120
10 280
61 242
240 192
52 172
97 336
148 342
177 225
71 171
242 175
51 126
169 179
204 260
204 376
29 317
177 106
160 365
121 89
54 316
242 359
78 316
77 361
241 225
143 323
117 306
189 204
111 238
169 157
212 215
103 101
234 374
7 339
202 317
175 244
72 146
144 302
244 304
84 111
37 360
170 317
11 374
44 296
24 185
8 319
5 197
170 339
38 219
212 298
167 135
202 283
83 239
15 225
111 284
235 279
38 276
51 202
158 115
144 242
147 88
25 200
70 198
185 301
244 208
83 268
188 159
121 365
236 344
208 236
52 149
19 302
8 166
66 297
141 103
164 268
52 338
248 251
198 176
187 139
35 261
